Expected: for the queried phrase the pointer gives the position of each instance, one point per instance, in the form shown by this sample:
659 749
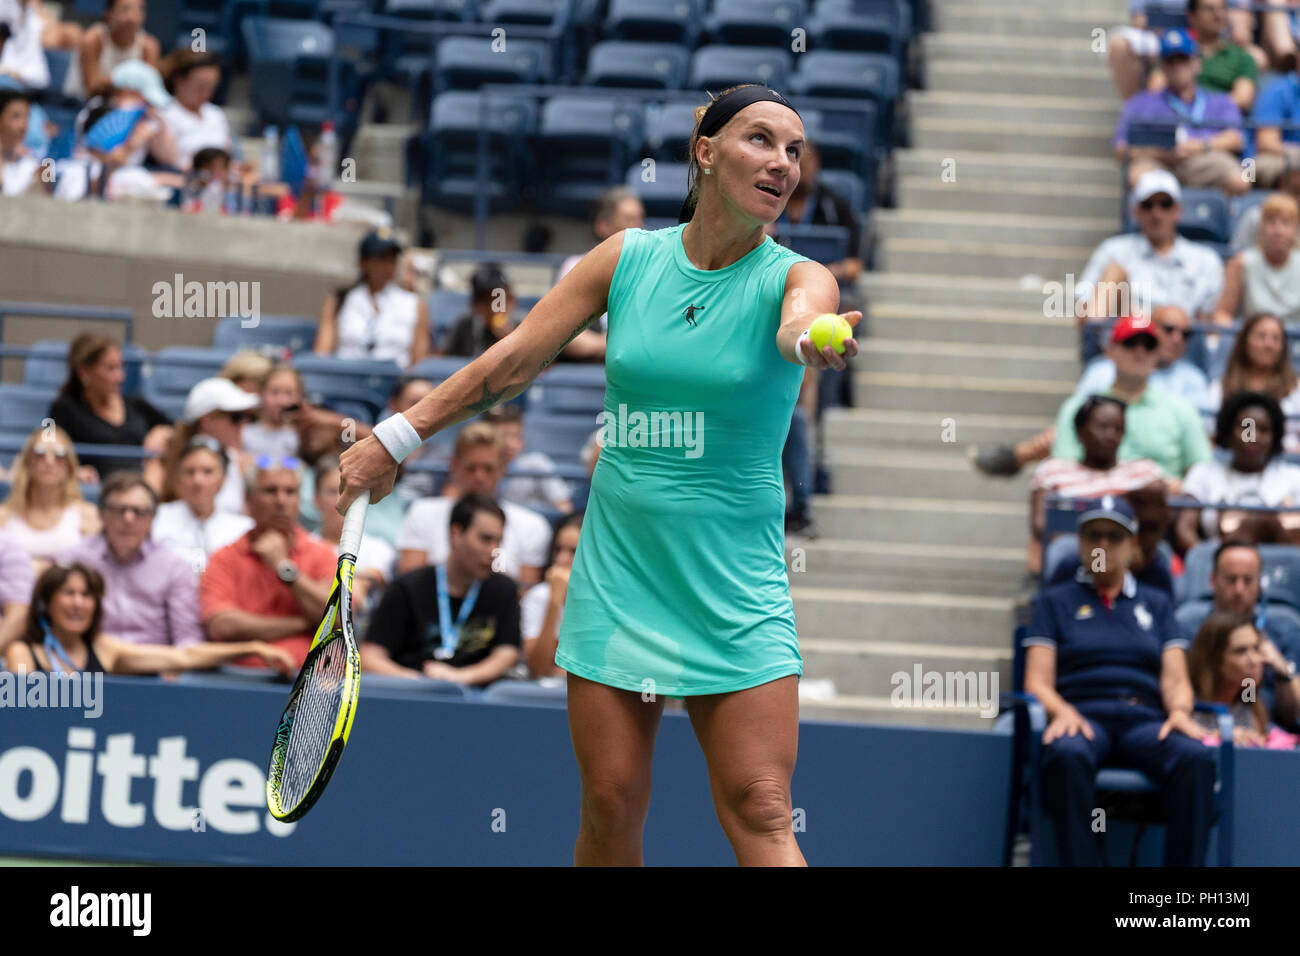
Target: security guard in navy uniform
1108 662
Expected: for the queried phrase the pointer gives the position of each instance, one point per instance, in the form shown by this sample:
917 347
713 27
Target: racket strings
313 723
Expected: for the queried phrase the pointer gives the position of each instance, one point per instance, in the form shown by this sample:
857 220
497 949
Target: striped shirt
1074 479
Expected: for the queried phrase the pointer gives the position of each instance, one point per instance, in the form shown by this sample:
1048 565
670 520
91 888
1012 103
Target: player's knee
762 805
612 804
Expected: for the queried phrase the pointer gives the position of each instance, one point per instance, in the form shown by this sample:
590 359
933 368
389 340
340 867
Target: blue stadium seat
526 692
1205 216
1057 552
438 368
717 67
466 63
448 170
289 71
404 55
819 243
668 129
559 436
446 306
584 144
848 185
533 12
46 365
662 197
836 73
1280 573
647 65
22 407
844 140
326 377
387 685
568 390
655 21
176 369
755 22
295 333
864 26
1238 206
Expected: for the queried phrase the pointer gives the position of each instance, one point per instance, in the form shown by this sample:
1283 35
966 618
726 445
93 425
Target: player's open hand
367 465
828 357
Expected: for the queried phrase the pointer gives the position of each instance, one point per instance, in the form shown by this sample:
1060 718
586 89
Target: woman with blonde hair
247 368
1265 279
219 409
45 512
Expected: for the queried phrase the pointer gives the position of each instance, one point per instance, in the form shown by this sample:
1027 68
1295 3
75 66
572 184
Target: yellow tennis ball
829 329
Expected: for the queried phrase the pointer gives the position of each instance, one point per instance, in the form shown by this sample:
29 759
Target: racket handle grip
353 524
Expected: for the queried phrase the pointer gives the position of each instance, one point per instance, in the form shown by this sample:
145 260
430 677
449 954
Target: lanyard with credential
450 631
1196 114
55 652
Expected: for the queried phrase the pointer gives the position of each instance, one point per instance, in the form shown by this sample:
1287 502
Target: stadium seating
326 378
46 365
438 368
568 389
289 70
584 143
176 369
668 130
22 407
560 436
882 26
625 64
1279 573
754 22
446 306
294 333
666 21
466 63
837 73
662 196
716 67
450 169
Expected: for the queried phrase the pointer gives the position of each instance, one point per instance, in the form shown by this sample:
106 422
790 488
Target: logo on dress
1143 616
690 311
1084 612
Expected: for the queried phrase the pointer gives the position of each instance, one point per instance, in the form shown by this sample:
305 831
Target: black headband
723 109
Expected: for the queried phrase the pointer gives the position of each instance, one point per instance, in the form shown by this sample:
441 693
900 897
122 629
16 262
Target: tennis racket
314 727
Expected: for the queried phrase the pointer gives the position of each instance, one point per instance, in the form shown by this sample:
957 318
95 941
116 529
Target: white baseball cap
217 395
144 79
1156 181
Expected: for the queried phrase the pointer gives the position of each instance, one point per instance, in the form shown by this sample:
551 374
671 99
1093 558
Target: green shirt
1230 64
1159 426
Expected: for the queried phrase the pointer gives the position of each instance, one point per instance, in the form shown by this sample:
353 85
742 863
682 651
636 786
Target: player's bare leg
750 739
613 739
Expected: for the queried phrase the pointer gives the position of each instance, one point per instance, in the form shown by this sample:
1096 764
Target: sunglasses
123 511
46 452
1144 342
1154 203
242 418
264 462
1177 330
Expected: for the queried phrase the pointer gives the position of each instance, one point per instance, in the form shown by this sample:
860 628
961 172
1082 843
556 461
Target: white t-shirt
230 498
544 492
194 539
278 442
601 324
385 332
1213 482
17 176
1290 408
526 539
196 131
23 55
532 611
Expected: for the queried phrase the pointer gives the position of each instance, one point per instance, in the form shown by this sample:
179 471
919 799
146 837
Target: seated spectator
616 209
1108 664
1099 425
1245 234
813 203
218 409
152 596
274 432
134 131
1235 582
91 408
63 633
192 526
1150 565
1209 142
45 512
491 315
193 120
1157 425
119 37
1154 261
376 558
542 609
1260 361
797 456
1278 104
411 485
1226 666
417 629
1266 279
19 166
248 368
16 581
375 318
475 469
545 492
1251 424
22 54
1173 374
273 583
1226 67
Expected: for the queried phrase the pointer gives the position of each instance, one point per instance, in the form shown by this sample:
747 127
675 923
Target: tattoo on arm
572 335
488 399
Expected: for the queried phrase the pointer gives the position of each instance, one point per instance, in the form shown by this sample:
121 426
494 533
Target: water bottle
327 156
234 199
270 167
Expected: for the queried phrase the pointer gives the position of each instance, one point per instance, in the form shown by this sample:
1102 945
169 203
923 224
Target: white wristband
398 435
798 346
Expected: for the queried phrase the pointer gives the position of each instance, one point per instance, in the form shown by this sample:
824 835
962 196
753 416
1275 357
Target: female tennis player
679 587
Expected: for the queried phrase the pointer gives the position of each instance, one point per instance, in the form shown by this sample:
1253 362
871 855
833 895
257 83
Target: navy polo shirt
1105 652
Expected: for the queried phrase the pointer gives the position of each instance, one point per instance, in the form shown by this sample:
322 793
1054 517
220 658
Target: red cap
1130 326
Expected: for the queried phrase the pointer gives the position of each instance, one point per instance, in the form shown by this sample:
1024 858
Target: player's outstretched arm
496 376
810 291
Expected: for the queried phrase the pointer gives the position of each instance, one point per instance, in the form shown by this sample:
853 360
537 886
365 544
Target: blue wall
422 779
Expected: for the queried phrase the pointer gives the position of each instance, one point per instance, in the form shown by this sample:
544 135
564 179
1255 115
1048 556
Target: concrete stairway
921 558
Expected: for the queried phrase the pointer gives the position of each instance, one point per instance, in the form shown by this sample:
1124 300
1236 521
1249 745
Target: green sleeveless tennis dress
679 584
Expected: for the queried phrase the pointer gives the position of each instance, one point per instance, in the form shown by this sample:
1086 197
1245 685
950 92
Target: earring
708 170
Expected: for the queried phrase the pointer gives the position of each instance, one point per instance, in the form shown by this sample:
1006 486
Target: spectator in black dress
491 314
479 642
92 409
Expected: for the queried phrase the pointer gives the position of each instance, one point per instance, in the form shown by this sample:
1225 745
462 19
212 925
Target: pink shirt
1072 479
